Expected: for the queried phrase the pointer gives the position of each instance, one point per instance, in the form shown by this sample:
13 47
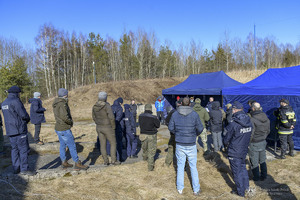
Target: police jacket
118 111
15 115
159 105
261 126
186 125
133 109
103 115
128 122
286 117
148 123
238 135
216 117
36 111
62 114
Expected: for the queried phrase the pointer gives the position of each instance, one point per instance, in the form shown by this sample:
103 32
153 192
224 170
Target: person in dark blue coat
37 116
118 113
129 126
237 139
16 119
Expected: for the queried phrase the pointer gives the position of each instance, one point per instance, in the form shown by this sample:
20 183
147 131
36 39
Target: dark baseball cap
237 105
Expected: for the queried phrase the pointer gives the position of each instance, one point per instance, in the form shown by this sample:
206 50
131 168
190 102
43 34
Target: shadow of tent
276 191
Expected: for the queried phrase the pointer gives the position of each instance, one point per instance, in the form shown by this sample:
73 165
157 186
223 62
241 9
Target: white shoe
179 191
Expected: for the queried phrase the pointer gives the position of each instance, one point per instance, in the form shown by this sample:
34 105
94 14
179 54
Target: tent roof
275 81
202 84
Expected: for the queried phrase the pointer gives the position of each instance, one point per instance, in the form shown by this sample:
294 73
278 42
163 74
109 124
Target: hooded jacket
238 135
36 111
103 115
117 111
185 123
286 117
202 112
261 126
62 114
216 117
159 105
128 122
15 115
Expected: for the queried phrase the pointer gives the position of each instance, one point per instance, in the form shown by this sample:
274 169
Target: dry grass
135 182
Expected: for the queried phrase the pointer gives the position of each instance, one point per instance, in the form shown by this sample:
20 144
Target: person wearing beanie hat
62 92
237 140
204 118
37 116
105 126
16 119
149 125
63 125
118 113
285 124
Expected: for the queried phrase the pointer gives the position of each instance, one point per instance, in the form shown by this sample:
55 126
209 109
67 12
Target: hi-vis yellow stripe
285 132
284 121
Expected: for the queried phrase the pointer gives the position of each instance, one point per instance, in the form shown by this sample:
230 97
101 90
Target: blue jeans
190 153
66 139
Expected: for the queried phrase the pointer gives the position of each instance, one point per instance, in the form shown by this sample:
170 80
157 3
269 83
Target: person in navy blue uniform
237 139
129 127
16 119
37 116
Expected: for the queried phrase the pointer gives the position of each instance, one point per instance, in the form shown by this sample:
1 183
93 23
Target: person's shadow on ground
276 191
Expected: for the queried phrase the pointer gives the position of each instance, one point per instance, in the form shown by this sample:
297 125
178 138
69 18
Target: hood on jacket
59 100
215 105
126 107
32 100
99 105
116 103
260 116
184 110
242 118
198 107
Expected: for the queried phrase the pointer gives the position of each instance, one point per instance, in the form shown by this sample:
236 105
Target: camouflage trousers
171 150
149 144
203 137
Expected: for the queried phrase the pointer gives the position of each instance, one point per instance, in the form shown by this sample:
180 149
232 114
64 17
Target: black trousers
37 132
285 140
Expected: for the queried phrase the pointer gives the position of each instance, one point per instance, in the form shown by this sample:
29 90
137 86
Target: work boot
255 173
66 165
263 171
291 153
116 163
79 166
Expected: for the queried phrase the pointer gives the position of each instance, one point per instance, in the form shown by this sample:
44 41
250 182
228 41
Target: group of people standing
234 132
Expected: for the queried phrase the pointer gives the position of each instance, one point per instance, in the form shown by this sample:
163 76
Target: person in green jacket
204 117
63 125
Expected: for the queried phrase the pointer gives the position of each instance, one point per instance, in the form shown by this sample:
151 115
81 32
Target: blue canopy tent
201 86
268 89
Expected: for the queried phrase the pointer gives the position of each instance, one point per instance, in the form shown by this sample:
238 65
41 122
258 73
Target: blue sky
176 21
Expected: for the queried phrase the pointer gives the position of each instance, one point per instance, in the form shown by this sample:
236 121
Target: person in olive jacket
37 116
105 127
63 125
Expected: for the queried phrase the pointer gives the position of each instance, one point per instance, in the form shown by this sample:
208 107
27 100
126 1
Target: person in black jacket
257 147
133 109
216 120
237 139
228 114
286 122
149 125
16 119
129 126
37 116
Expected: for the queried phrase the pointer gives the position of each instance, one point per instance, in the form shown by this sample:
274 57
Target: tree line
61 59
